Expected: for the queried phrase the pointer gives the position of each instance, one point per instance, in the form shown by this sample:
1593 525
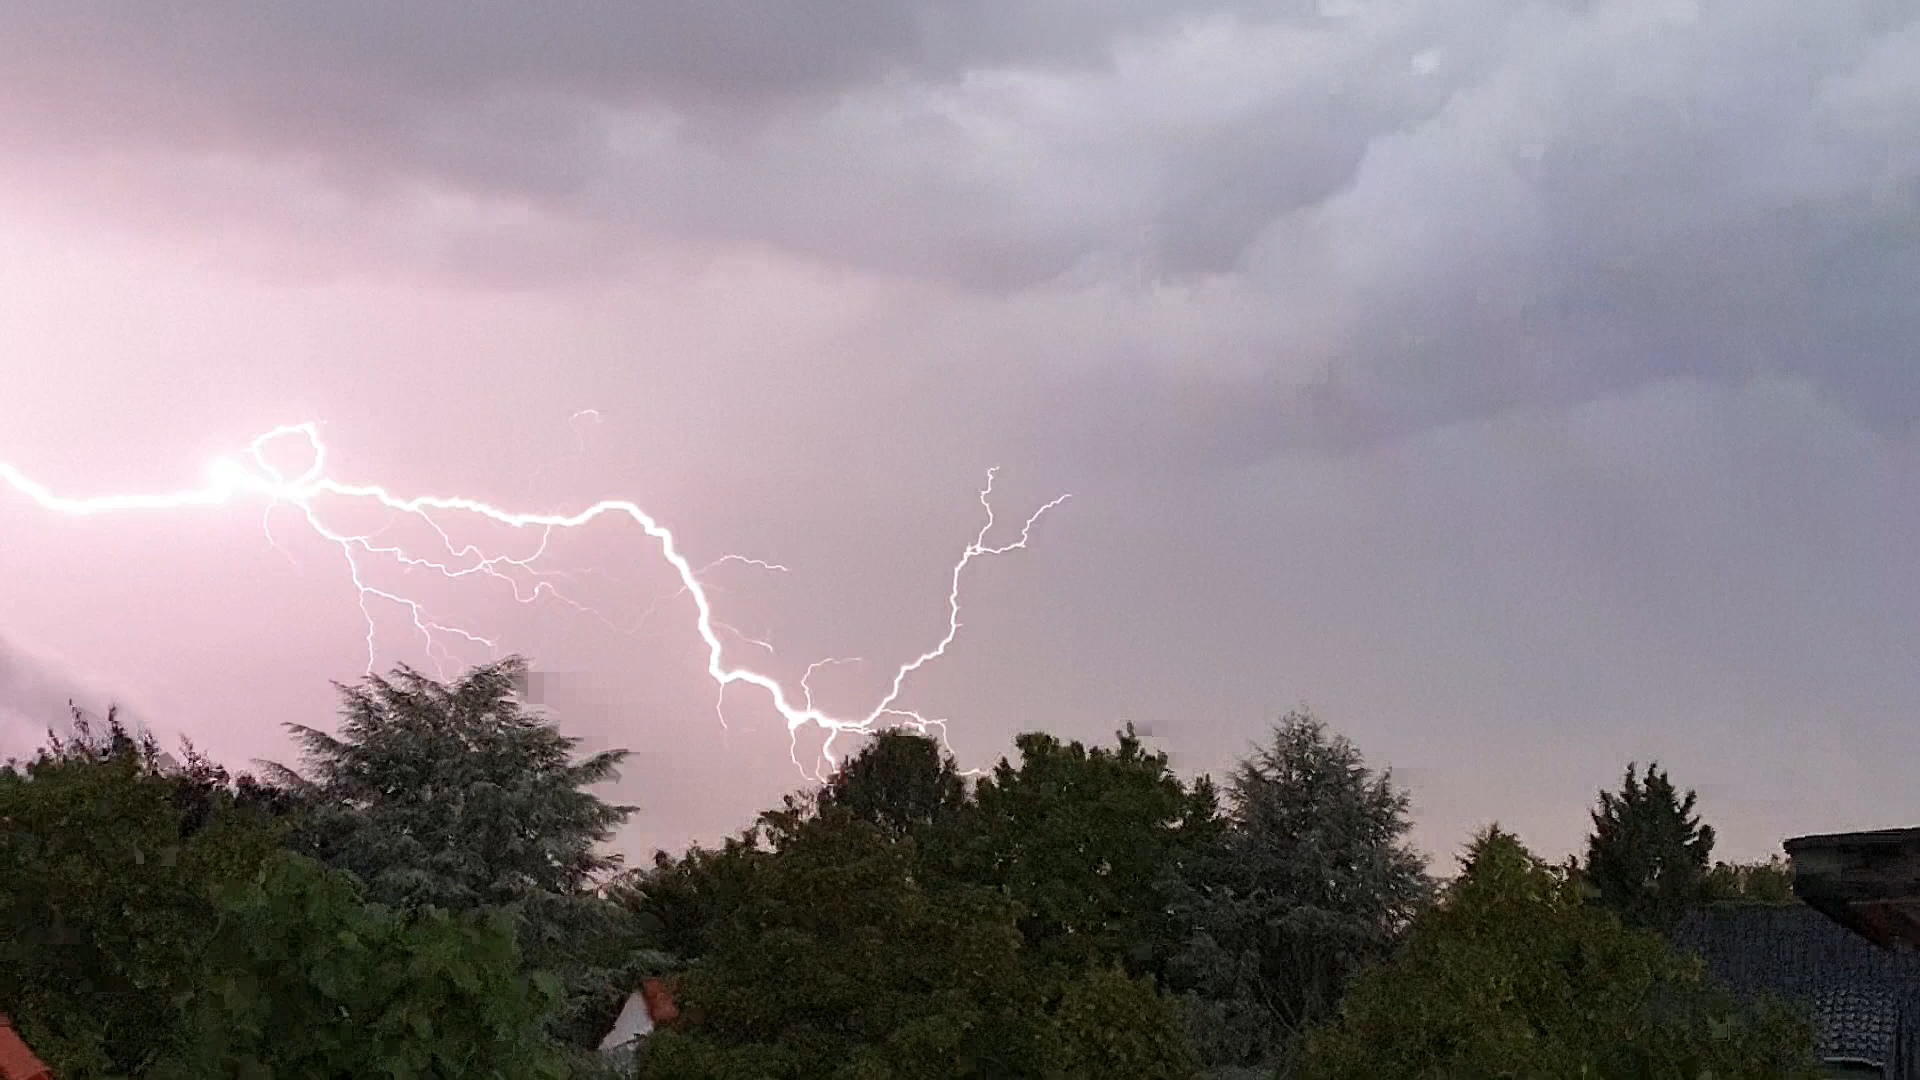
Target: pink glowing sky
1528 387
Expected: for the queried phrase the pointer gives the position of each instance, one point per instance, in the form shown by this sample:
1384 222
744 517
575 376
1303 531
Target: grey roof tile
1864 999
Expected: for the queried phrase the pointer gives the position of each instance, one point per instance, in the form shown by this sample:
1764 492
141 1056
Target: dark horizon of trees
272 785
428 894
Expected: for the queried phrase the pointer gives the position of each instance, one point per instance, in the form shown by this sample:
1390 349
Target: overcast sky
1526 386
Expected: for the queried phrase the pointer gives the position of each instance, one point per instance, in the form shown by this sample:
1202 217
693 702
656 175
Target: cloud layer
1458 208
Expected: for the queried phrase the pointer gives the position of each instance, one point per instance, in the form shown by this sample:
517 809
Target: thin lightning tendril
231 479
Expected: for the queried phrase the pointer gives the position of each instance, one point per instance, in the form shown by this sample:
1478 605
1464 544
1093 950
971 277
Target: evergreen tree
1315 880
459 797
456 795
1648 856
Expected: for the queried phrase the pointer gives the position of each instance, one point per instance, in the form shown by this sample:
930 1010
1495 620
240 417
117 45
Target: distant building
1850 952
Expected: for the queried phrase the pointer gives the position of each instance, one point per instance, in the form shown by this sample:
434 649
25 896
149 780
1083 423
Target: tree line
428 894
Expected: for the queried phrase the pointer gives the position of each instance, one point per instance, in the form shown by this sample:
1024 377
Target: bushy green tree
1111 1025
458 796
306 979
1315 880
1085 840
106 912
200 786
683 902
902 781
153 926
1648 854
1514 975
840 963
1769 882
829 941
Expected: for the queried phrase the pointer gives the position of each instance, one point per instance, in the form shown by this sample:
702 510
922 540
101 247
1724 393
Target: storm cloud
1460 208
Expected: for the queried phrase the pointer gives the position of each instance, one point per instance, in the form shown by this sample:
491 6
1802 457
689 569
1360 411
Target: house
1850 952
649 1007
17 1060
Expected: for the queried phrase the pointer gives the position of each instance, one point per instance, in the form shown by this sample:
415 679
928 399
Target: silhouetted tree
1648 855
683 901
902 781
200 786
106 907
837 959
1086 841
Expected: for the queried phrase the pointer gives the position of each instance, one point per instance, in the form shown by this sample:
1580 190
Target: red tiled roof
17 1060
661 1007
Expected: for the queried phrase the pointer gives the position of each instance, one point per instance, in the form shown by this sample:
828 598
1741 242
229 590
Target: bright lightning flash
253 475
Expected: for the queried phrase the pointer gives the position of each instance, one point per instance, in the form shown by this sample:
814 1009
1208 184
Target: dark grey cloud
497 94
1176 218
441 50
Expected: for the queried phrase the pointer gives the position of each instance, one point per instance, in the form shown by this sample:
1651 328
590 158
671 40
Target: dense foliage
458 797
430 897
899 925
841 958
1083 840
107 893
304 978
157 928
1512 974
1770 882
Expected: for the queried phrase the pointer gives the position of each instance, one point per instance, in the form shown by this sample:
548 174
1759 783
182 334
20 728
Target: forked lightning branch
251 476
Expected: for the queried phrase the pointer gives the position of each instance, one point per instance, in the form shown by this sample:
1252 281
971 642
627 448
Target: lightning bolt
253 475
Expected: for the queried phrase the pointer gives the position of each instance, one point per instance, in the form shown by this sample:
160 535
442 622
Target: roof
17 1060
1868 882
634 1023
649 1007
1863 999
1904 834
